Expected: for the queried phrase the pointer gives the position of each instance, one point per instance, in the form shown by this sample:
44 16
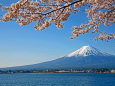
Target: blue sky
23 45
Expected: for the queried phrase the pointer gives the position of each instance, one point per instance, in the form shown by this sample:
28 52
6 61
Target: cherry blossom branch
62 7
48 11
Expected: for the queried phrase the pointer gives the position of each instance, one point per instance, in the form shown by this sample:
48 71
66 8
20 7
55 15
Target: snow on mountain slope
87 51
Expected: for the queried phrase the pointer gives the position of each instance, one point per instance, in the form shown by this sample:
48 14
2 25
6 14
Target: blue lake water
58 79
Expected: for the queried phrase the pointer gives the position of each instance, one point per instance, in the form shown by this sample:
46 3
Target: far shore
102 70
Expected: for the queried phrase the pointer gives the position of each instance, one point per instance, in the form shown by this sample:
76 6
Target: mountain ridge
85 57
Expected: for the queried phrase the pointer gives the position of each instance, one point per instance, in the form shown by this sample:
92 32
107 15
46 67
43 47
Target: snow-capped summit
87 51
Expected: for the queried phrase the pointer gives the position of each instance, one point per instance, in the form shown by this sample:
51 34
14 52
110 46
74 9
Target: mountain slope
85 57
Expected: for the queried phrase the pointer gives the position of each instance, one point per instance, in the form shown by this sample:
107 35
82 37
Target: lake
58 79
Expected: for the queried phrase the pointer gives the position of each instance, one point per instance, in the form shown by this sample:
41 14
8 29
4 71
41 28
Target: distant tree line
101 70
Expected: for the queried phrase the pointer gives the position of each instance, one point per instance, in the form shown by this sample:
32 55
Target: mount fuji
85 57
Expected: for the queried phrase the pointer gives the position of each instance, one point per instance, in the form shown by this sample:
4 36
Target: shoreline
60 72
103 70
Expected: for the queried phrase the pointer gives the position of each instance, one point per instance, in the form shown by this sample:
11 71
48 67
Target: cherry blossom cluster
99 12
43 11
106 36
47 11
